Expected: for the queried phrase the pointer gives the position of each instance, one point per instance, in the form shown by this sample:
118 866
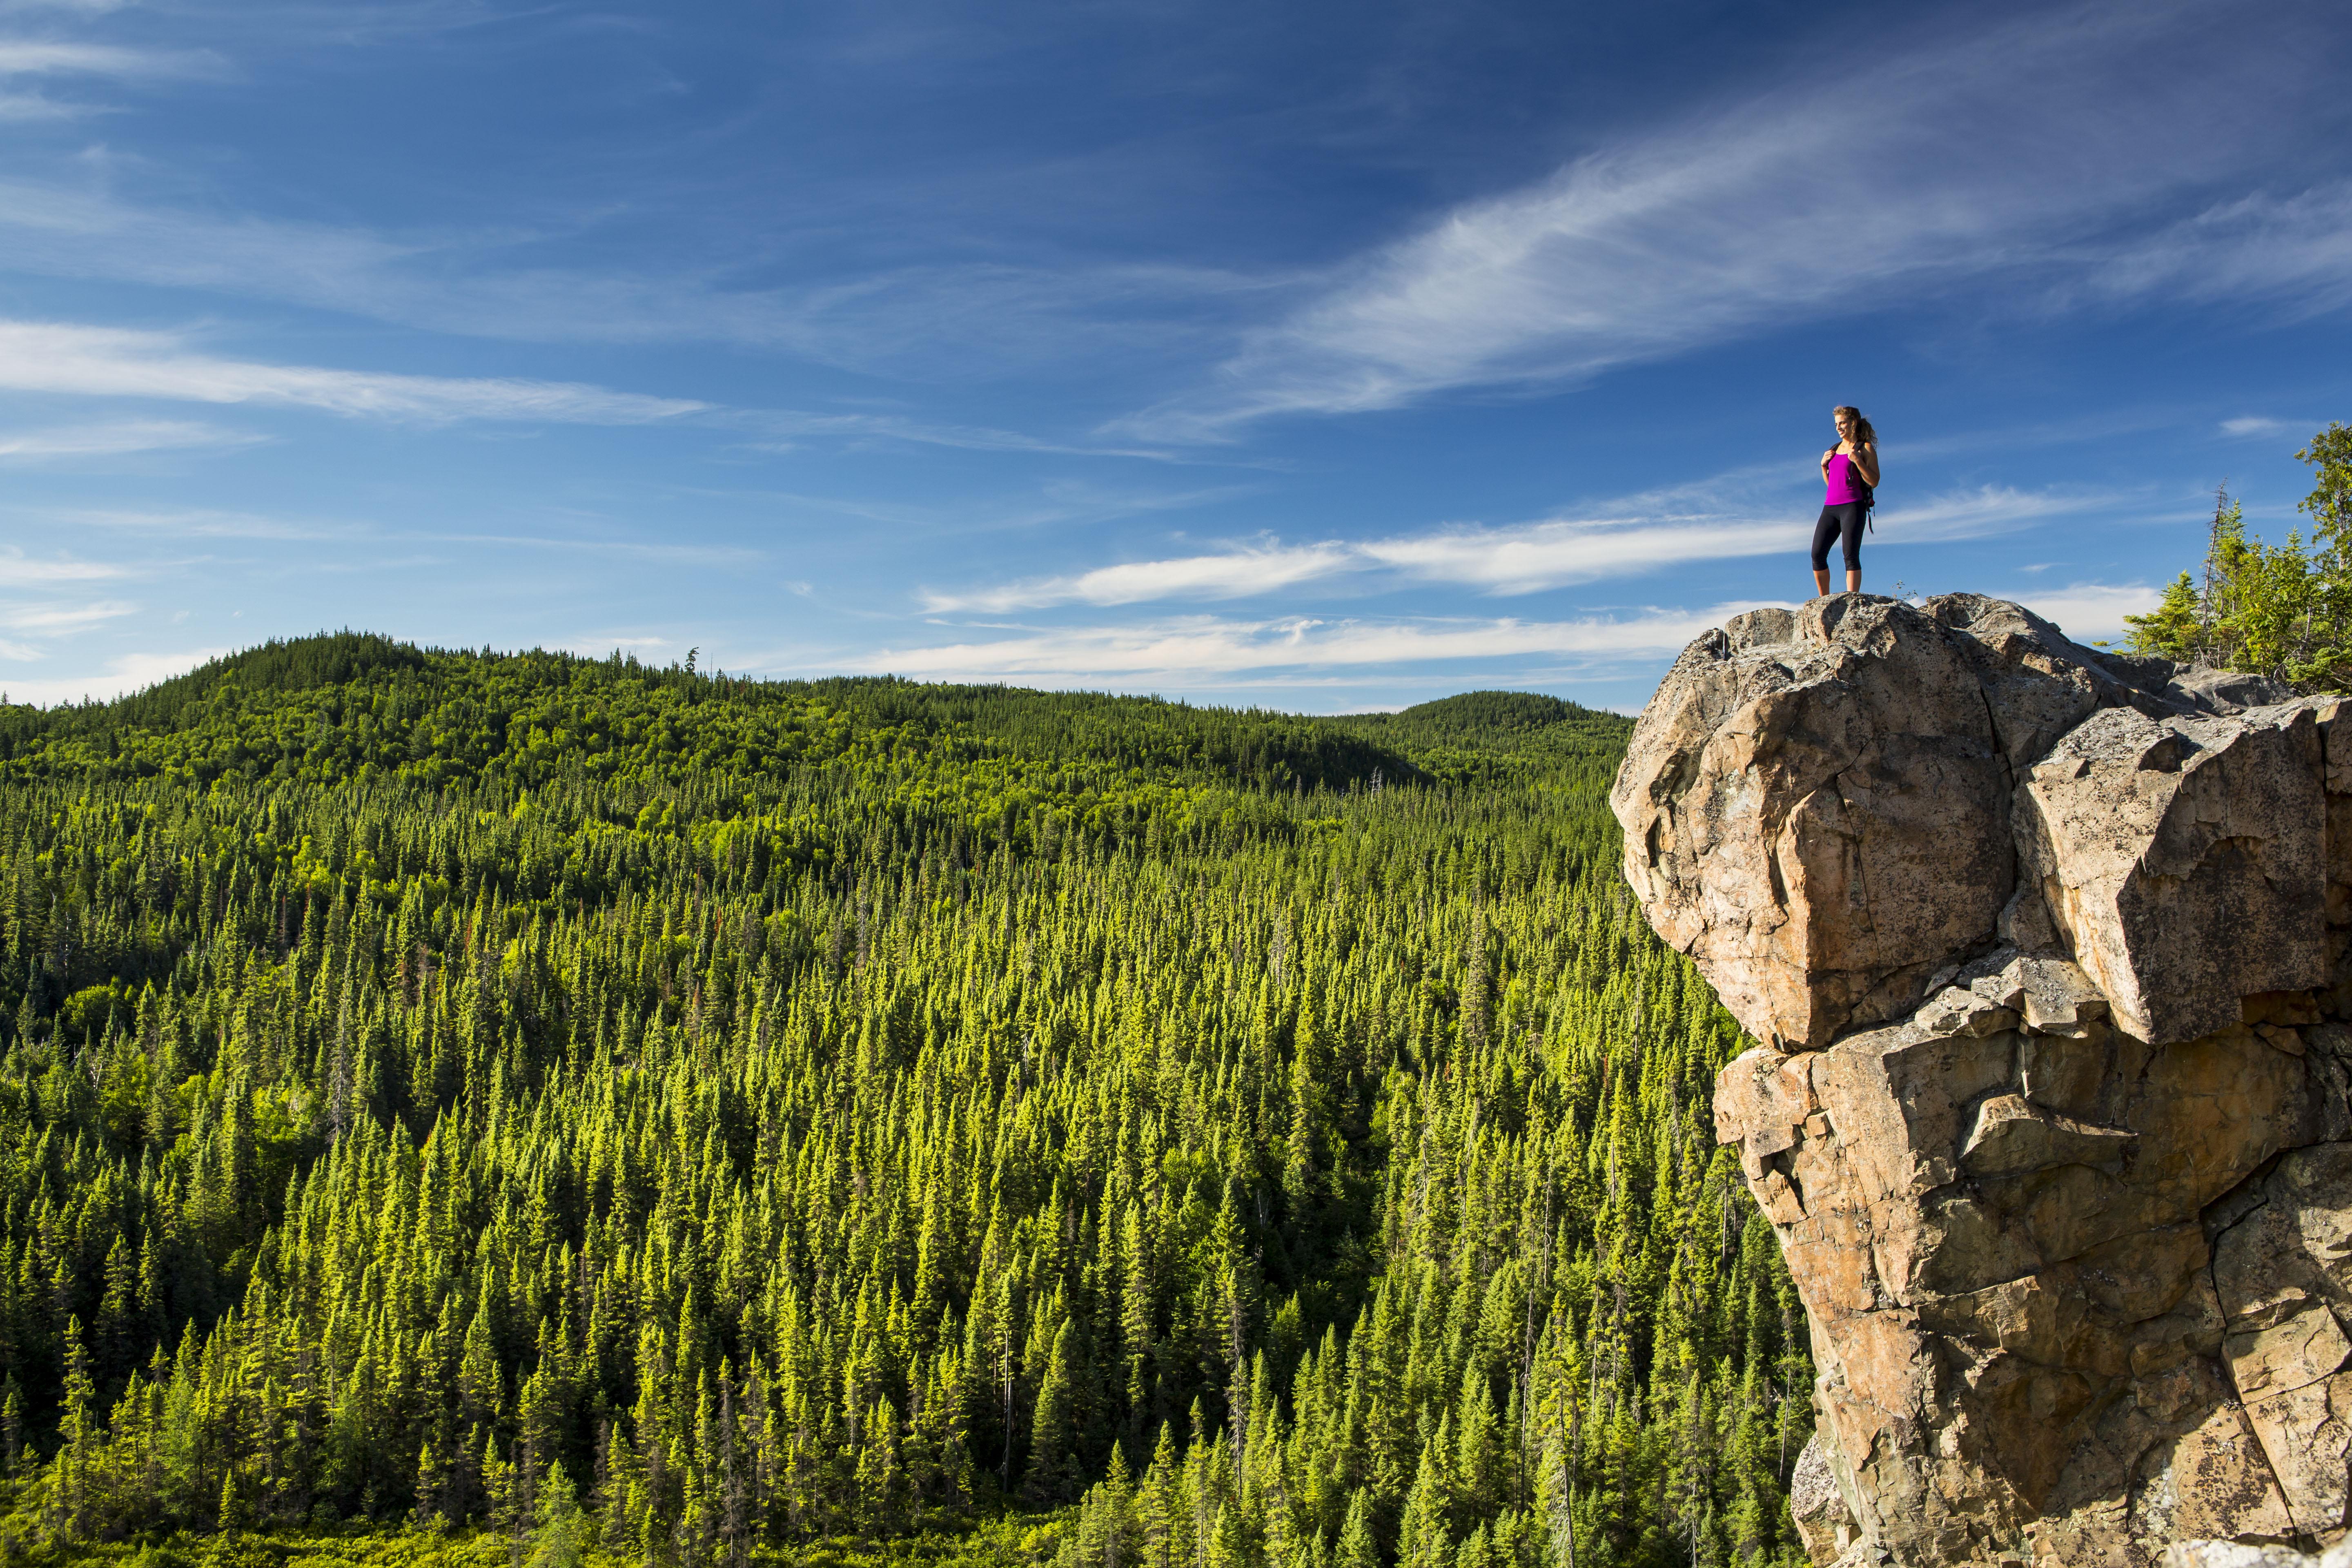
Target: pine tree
1424 1538
1357 1548
1050 1459
561 1537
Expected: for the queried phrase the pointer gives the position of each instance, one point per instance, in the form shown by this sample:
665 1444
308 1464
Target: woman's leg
1850 526
1825 529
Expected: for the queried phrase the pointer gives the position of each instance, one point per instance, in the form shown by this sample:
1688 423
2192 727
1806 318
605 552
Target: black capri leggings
1844 519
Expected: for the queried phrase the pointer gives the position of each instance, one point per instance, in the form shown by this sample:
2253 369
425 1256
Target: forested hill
525 1102
335 707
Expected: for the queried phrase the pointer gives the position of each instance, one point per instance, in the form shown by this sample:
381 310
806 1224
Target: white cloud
191 522
197 523
22 105
465 281
2091 612
37 58
143 669
95 232
1532 557
668 553
59 619
1197 650
1232 575
116 438
19 570
786 425
2021 153
1208 651
2296 248
2259 424
123 674
58 357
110 361
1985 510
1539 555
1640 536
25 57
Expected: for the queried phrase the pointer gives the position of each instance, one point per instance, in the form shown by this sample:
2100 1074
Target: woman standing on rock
1850 470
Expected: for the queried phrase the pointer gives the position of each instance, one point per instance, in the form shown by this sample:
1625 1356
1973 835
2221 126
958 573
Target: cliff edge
2053 1111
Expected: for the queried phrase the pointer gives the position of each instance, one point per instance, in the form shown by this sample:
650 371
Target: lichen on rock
2052 1114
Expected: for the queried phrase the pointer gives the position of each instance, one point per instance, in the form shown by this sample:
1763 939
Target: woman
1850 470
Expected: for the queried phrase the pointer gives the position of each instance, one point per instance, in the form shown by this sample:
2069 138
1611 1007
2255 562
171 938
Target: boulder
2012 1136
2184 861
1824 807
1817 804
1823 1521
1815 810
2047 956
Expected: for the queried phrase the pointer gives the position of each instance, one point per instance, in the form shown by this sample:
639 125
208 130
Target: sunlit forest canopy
647 1113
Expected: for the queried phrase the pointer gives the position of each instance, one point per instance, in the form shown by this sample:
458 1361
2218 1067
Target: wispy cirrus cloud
31 56
32 624
116 438
116 362
1984 511
785 428
61 619
1191 651
2262 424
475 280
21 570
1199 651
2291 250
2035 154
1226 575
44 59
1561 552
193 523
1639 534
197 524
74 358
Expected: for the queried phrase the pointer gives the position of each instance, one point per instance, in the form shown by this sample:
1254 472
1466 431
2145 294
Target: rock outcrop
2053 1111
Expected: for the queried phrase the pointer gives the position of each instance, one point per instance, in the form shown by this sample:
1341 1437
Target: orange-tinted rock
2184 861
2052 956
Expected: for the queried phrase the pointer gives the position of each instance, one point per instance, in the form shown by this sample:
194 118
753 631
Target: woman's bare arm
1825 464
1866 458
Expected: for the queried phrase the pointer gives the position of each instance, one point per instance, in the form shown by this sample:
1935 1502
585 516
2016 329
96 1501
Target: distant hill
281 664
329 705
1489 734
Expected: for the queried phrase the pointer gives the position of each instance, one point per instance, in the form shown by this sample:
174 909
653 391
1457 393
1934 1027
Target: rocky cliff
2053 1110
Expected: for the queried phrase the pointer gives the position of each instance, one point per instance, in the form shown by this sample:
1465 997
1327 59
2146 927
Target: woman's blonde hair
1861 430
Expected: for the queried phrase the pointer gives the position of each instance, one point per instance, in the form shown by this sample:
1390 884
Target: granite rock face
2053 1114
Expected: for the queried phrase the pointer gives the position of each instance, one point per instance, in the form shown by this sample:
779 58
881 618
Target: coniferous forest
523 1109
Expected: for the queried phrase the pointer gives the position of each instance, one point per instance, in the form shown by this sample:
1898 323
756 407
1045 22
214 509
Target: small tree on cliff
2284 610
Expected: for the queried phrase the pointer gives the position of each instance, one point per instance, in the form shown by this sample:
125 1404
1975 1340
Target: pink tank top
1844 483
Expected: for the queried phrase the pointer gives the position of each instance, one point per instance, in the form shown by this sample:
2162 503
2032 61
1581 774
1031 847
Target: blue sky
1316 357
